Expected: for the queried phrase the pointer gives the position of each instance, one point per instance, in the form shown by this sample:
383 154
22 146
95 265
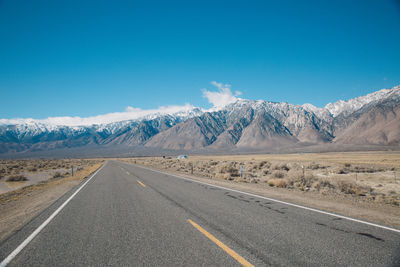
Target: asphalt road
131 216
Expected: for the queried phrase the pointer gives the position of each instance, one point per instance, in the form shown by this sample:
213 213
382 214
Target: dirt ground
362 185
15 174
19 206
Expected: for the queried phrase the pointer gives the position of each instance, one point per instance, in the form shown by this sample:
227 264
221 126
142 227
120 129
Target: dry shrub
16 178
319 184
266 171
57 175
343 171
347 188
278 174
264 164
353 189
315 166
281 166
228 168
277 182
225 176
394 202
295 174
307 180
296 179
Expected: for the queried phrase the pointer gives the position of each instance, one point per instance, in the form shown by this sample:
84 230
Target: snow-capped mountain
346 107
247 124
349 106
31 127
373 119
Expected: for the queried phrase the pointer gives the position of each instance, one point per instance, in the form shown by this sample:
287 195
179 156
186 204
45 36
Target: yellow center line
232 253
142 184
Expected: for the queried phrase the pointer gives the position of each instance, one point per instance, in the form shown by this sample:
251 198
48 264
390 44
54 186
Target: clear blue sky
84 58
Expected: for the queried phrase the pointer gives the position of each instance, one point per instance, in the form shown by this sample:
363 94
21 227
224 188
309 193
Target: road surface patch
228 250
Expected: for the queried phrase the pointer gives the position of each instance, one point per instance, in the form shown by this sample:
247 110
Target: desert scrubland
15 174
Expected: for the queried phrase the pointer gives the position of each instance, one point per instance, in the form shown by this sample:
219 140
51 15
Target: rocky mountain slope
252 125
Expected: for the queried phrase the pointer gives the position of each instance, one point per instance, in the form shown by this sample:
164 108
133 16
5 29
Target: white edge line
278 201
16 251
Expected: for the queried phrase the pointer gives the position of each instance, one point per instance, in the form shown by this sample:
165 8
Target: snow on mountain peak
184 112
349 106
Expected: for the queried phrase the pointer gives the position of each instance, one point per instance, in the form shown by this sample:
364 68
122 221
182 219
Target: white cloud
130 113
222 97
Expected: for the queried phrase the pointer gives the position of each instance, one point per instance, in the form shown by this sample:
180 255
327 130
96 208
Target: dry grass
277 182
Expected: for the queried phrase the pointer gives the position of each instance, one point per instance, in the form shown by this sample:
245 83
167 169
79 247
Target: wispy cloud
222 97
130 113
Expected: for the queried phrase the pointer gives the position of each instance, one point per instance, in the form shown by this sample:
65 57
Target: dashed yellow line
232 253
142 184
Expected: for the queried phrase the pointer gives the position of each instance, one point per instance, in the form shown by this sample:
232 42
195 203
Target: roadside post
241 171
72 170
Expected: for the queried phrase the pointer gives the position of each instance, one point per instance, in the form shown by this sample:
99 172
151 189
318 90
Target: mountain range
367 121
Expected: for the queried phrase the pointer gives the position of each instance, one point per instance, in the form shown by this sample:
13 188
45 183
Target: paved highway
127 215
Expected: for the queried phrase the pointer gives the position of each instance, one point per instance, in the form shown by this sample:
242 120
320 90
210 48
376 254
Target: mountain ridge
244 124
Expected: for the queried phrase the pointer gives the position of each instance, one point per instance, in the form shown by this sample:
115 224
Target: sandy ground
20 206
36 171
361 185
